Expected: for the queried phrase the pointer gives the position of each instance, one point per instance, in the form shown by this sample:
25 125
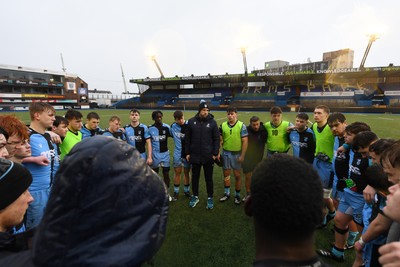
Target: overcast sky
189 37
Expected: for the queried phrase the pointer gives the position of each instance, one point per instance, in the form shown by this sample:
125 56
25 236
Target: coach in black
202 148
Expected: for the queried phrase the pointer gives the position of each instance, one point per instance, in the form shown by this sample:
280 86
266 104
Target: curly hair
14 126
286 198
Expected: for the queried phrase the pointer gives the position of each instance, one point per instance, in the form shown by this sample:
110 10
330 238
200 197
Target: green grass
224 236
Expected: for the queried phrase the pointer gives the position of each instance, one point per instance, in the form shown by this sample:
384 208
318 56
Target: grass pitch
224 236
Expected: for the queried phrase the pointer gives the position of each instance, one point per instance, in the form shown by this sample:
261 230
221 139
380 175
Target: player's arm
39 160
244 148
378 226
149 160
188 138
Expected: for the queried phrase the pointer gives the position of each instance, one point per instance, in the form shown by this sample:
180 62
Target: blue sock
176 189
324 221
338 253
352 238
227 191
331 214
237 193
186 188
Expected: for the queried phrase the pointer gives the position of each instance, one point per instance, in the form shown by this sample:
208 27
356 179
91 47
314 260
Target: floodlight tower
62 63
123 78
158 66
243 50
372 38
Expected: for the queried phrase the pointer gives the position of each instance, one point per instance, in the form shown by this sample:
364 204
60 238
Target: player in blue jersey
159 133
340 165
91 127
60 127
42 117
352 203
114 129
302 139
178 129
138 136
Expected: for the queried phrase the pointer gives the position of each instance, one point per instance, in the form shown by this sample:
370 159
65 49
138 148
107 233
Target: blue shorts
143 155
352 203
231 160
180 162
325 172
161 160
35 210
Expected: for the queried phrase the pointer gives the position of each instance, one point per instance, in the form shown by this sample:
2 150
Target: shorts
180 162
249 164
230 160
143 155
352 204
325 172
35 210
161 160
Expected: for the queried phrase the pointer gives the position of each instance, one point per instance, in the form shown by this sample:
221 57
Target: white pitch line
389 119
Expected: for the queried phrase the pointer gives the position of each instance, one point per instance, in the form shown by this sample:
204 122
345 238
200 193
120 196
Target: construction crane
243 50
372 38
158 66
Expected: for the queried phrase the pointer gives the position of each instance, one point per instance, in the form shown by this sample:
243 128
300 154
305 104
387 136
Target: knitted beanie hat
203 105
14 180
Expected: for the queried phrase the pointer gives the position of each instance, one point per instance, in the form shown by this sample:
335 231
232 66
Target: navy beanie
14 180
203 105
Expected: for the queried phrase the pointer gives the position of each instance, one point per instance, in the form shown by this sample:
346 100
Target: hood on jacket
106 208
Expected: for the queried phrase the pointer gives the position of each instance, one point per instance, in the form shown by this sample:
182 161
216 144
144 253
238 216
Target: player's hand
241 159
369 194
390 254
358 248
149 161
341 150
55 138
188 158
290 128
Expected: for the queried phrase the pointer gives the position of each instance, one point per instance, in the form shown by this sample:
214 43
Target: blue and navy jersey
137 136
118 134
89 133
358 166
159 137
303 144
340 165
57 158
178 133
41 145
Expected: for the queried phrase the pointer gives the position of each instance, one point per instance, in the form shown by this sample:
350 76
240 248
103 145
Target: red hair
13 126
